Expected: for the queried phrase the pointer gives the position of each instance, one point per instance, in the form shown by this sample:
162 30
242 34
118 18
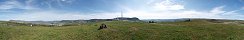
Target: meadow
124 30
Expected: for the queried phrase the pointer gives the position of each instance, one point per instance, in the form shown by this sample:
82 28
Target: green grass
122 30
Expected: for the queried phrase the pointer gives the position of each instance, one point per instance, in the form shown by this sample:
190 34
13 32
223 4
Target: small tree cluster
151 22
102 26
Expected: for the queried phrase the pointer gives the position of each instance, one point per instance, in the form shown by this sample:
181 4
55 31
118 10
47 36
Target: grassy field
122 30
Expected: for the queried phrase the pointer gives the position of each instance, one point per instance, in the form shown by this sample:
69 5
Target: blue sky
48 10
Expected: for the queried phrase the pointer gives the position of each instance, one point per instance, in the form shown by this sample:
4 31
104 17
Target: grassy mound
122 30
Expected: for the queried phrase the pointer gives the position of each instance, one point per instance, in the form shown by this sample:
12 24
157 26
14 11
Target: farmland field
123 30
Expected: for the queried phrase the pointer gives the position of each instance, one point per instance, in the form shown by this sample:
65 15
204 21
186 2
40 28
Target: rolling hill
197 29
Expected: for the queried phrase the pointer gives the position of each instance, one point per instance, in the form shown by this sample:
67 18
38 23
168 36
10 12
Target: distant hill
76 21
165 20
188 19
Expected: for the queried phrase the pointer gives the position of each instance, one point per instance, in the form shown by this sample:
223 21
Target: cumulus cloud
169 15
242 8
51 15
168 5
159 10
48 15
31 4
10 5
45 16
13 4
169 10
216 13
218 10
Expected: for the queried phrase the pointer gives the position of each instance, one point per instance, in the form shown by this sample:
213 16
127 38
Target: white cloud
13 4
49 15
46 16
30 4
218 10
63 0
215 13
242 8
10 5
168 5
170 15
162 10
150 1
170 10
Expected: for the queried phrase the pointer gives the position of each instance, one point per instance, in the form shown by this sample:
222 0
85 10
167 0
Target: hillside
123 30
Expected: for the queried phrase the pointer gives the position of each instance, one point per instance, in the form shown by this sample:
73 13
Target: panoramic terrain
196 29
121 19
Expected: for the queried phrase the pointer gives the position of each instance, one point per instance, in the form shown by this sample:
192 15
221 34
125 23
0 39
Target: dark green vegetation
122 30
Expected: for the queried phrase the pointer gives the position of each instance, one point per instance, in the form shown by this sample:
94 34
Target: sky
48 10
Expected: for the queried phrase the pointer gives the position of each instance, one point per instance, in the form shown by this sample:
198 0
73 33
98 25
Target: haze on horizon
143 9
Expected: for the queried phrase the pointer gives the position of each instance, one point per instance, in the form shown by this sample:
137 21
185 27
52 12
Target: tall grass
122 30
